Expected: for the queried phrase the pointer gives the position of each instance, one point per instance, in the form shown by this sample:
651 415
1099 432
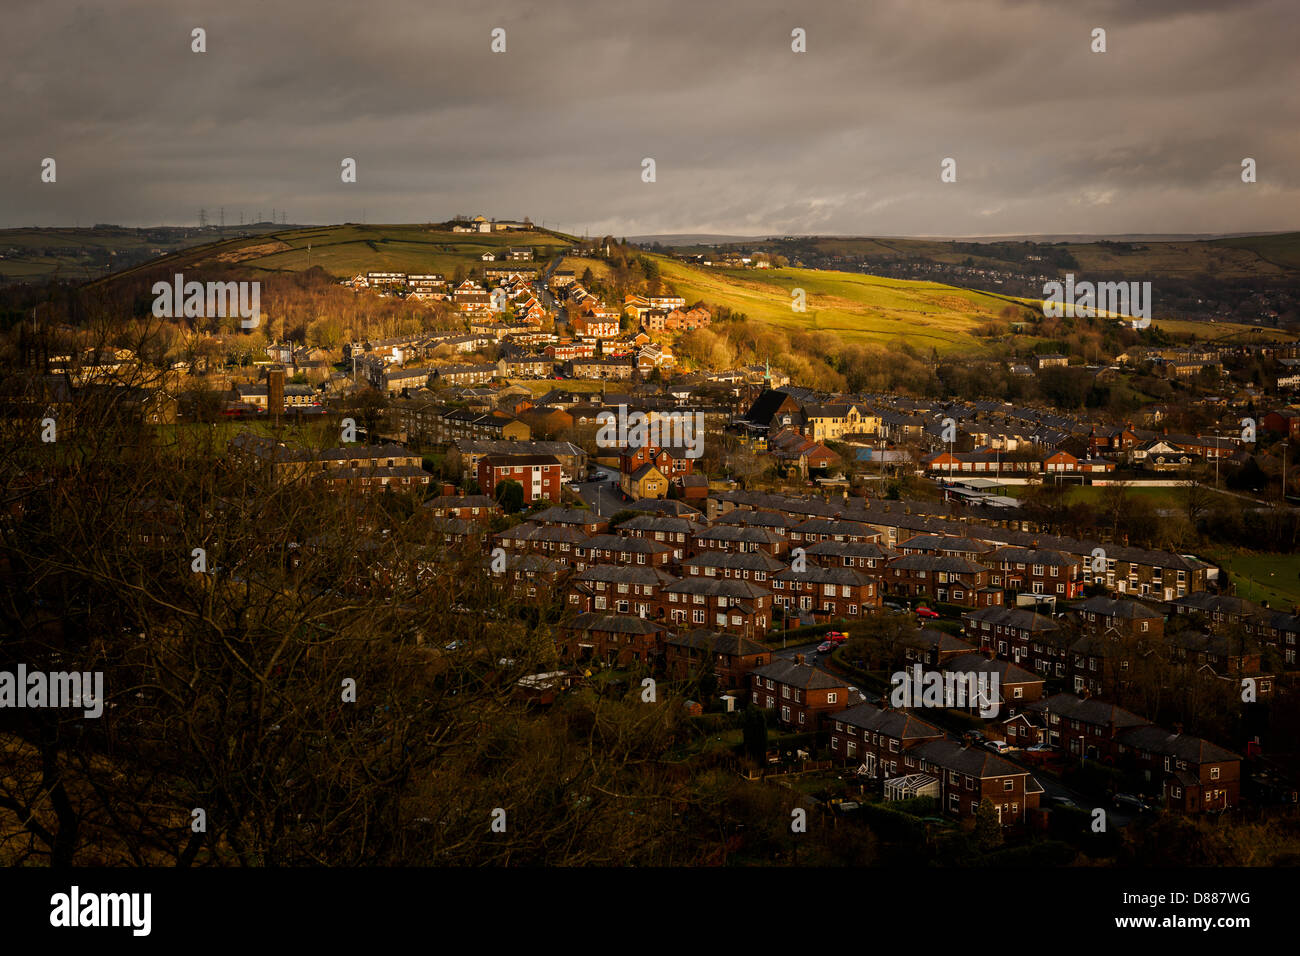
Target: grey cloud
748 137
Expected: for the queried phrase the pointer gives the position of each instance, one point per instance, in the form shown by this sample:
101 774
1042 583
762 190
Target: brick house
530 578
930 648
816 530
469 507
1084 726
539 475
1195 775
968 775
880 741
618 589
673 462
674 532
1130 619
1016 686
868 556
944 579
619 640
827 592
582 519
618 549
799 692
739 540
730 657
1011 633
757 566
725 605
558 543
1037 571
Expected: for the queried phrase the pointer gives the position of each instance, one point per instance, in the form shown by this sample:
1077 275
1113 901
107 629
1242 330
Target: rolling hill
346 250
855 306
863 308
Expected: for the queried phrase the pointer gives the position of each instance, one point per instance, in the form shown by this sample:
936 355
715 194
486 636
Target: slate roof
1157 740
1112 607
804 676
614 623
1013 617
734 645
974 761
1088 710
899 724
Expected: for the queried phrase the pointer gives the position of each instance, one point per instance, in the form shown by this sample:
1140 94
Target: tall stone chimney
275 391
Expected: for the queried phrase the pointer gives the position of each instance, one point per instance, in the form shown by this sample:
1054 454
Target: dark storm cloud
748 137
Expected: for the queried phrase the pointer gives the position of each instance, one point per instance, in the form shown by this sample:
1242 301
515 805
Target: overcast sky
748 137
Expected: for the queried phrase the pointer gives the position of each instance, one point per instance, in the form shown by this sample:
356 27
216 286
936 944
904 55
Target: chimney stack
275 391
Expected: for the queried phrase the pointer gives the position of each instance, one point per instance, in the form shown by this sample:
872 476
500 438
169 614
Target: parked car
1132 801
1066 802
998 746
973 737
926 613
825 647
891 606
1039 752
837 637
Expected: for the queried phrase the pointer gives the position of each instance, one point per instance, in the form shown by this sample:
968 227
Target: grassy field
1274 578
1161 498
600 269
868 308
856 307
544 385
346 250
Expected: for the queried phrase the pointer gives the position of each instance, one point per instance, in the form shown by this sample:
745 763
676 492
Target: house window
1214 773
833 697
1008 785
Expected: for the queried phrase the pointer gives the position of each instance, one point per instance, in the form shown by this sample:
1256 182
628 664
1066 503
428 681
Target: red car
926 613
837 637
